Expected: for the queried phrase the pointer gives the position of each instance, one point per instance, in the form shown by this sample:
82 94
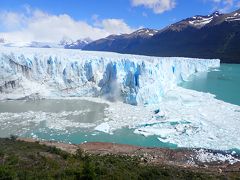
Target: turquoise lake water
44 119
223 82
122 136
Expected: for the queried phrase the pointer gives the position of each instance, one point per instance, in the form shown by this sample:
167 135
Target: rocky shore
196 160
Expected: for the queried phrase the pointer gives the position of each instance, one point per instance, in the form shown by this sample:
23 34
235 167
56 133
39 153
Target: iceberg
132 79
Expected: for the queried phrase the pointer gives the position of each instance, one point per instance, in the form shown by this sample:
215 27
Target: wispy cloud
37 25
238 4
158 6
224 5
112 26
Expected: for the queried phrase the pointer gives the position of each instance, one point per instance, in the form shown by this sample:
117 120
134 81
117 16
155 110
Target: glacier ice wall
57 72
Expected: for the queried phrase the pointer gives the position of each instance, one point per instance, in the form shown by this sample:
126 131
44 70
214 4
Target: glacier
57 72
141 92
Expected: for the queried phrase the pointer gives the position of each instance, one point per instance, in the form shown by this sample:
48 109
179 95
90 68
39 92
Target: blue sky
46 20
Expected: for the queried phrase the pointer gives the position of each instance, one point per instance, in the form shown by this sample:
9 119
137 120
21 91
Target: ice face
56 72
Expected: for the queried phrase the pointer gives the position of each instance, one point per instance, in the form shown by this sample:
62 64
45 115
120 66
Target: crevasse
58 72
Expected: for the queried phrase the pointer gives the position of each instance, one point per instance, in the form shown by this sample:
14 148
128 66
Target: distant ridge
79 44
213 36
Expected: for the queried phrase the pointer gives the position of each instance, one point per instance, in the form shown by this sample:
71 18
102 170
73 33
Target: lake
223 82
69 121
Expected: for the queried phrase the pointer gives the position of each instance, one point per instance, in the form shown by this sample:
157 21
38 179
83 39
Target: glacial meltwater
223 82
75 120
69 121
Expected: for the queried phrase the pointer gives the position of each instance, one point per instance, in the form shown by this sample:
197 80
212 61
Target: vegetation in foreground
25 160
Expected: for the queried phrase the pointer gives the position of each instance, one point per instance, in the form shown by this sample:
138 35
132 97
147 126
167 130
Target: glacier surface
173 114
58 72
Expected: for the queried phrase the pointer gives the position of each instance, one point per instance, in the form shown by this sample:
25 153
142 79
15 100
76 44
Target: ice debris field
141 92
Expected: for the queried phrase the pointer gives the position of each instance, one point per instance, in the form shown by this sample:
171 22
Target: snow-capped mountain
141 33
211 36
2 40
121 43
235 16
79 44
64 43
33 44
199 21
144 33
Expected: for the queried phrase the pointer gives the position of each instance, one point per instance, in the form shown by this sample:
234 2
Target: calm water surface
223 82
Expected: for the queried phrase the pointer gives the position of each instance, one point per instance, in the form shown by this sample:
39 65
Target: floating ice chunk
162 132
104 127
215 126
205 156
21 123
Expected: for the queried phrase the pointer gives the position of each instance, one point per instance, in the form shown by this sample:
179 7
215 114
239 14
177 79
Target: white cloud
238 4
225 5
36 25
115 26
158 6
11 20
112 26
144 14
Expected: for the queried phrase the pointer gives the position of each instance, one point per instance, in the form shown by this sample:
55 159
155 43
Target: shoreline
183 158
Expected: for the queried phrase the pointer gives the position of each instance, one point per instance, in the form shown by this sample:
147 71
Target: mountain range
211 36
79 44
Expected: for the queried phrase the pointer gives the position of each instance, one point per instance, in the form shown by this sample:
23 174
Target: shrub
13 137
6 173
